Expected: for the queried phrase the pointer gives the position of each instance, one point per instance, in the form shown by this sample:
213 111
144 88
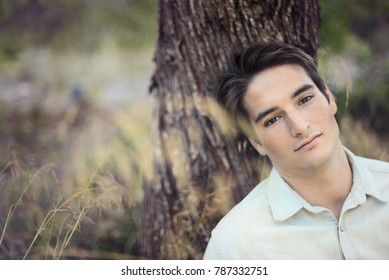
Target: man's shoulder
255 203
233 235
374 165
258 192
378 172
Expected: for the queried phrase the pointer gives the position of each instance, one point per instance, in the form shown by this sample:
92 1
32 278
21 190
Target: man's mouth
306 143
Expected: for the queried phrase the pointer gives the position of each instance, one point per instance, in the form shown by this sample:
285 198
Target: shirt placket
348 247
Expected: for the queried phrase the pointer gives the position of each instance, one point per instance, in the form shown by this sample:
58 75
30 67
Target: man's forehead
283 79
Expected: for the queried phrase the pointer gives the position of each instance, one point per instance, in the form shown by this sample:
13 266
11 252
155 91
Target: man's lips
307 142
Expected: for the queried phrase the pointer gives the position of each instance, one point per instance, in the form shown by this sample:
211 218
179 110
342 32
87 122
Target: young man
320 201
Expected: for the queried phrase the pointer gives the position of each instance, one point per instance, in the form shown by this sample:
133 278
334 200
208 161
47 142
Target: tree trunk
199 171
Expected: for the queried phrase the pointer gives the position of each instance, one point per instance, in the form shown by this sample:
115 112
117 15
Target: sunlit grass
72 164
93 179
74 133
363 141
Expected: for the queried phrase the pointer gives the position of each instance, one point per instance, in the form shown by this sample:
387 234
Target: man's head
244 65
290 110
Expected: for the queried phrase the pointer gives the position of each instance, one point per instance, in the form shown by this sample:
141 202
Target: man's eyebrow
261 115
301 90
298 91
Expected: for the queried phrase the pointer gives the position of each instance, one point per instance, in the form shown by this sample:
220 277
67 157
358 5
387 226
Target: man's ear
258 146
333 106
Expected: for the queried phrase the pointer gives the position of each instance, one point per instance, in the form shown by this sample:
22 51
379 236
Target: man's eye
271 121
305 99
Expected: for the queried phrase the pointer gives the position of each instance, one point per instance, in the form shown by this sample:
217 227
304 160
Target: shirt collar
284 202
364 182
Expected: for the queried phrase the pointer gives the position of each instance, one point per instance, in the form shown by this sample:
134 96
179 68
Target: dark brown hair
245 64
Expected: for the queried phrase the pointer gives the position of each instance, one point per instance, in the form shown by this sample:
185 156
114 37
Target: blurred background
75 117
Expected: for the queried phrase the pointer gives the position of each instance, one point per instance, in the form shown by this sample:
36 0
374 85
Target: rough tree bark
199 172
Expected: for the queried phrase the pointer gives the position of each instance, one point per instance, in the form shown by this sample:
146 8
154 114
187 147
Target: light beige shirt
274 222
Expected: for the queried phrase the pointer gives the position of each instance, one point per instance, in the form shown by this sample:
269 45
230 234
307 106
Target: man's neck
327 187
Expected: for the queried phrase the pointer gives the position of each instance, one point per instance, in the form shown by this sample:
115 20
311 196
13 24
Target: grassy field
74 126
73 153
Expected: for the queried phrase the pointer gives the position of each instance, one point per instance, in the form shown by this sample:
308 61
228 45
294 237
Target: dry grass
85 190
363 141
71 163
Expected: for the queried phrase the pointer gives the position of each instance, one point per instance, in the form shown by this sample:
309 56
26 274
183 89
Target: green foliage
354 58
367 19
334 19
75 24
370 101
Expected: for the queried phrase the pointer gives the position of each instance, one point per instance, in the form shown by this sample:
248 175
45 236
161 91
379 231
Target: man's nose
298 124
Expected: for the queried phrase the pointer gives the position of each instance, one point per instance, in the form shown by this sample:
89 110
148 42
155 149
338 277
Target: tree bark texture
199 171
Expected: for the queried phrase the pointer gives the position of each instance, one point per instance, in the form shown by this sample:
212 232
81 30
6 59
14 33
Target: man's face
292 119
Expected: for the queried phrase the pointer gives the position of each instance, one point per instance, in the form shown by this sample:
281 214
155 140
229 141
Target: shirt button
341 228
